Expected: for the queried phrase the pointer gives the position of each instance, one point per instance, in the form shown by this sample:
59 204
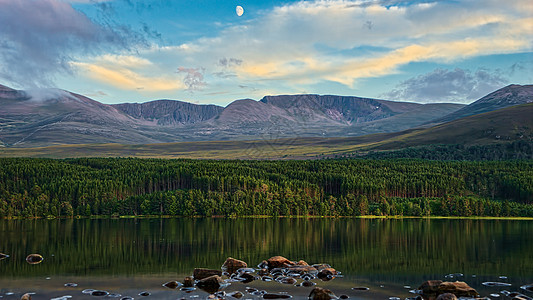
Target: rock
188 282
287 280
527 287
430 287
276 296
301 269
200 273
210 284
144 294
34 259
302 263
263 272
326 273
231 265
26 297
172 284
3 256
360 288
344 297
447 296
278 262
321 266
458 288
236 294
308 283
99 293
321 294
247 277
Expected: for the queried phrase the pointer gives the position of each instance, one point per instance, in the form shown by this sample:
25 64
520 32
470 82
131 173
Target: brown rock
321 266
236 294
26 297
302 269
210 284
326 273
321 294
200 273
302 263
231 265
278 262
188 282
171 284
458 288
447 296
430 287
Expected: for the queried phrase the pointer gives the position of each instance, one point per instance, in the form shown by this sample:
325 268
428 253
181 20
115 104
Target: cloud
127 79
40 37
442 85
194 78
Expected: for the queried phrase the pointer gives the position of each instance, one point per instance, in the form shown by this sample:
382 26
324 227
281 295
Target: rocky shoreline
282 271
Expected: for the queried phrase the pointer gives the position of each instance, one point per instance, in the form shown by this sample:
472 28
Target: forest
31 187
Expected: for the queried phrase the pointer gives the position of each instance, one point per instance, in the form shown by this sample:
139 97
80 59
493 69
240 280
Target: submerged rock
3 256
493 283
201 273
144 294
99 293
231 265
321 294
34 259
172 284
236 294
276 296
527 287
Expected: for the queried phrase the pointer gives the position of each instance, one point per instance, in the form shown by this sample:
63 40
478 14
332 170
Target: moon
239 10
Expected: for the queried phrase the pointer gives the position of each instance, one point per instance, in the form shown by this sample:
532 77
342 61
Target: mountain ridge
36 118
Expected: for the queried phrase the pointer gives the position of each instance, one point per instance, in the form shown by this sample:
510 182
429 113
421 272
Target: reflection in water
370 248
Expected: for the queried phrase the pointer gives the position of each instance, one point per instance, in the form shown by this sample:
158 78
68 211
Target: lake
389 256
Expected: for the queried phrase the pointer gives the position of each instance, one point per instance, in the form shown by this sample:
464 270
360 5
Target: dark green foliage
503 151
127 186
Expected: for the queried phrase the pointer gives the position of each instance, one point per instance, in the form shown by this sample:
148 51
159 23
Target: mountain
169 112
508 96
493 128
43 117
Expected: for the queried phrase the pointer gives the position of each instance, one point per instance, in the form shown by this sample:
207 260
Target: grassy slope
509 124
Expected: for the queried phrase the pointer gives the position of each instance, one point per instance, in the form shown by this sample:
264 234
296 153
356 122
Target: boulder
210 284
321 294
231 265
458 288
26 297
278 262
201 273
326 273
447 296
172 284
430 287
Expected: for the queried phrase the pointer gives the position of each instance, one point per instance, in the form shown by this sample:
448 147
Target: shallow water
128 256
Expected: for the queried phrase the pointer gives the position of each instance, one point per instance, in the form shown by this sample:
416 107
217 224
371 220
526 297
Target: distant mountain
34 118
169 112
508 96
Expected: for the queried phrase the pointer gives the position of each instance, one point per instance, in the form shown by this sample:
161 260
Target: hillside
501 126
510 95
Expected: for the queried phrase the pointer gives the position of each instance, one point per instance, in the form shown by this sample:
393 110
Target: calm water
133 255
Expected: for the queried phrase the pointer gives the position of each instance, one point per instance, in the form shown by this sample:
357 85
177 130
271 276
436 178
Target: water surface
128 256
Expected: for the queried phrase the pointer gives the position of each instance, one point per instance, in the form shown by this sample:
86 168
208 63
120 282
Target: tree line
130 186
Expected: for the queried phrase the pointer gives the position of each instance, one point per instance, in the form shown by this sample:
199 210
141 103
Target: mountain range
36 118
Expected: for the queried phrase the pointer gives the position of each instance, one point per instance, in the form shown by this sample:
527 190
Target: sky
201 51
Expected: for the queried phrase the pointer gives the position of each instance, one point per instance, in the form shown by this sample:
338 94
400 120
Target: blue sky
201 51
